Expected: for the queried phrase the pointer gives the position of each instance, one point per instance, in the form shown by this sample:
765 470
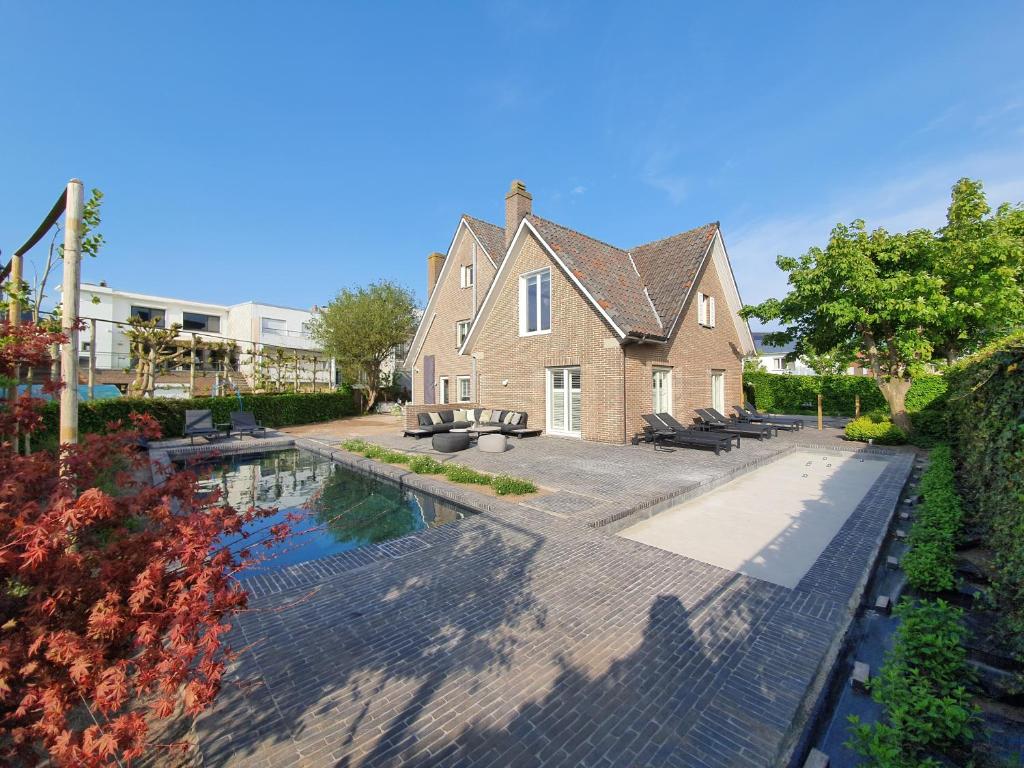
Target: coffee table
483 429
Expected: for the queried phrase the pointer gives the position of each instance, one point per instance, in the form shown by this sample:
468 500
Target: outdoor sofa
512 423
662 433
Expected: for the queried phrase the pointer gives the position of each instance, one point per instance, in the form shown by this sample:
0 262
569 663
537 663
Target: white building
773 360
228 336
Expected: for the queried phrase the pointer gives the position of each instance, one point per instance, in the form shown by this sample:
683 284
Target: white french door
564 401
718 391
661 381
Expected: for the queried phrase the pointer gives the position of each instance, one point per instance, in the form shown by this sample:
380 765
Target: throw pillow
460 415
435 418
508 418
516 418
485 415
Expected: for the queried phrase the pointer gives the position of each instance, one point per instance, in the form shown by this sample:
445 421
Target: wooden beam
69 313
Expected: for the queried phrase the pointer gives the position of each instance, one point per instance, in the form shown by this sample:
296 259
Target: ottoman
494 443
450 442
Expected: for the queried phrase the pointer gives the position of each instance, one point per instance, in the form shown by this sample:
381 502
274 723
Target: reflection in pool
342 509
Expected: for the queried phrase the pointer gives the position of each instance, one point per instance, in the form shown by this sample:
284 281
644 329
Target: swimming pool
342 509
772 523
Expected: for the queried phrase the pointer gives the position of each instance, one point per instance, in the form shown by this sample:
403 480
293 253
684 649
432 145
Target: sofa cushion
448 416
460 424
435 418
423 419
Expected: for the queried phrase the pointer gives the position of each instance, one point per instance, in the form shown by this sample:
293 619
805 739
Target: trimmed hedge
930 561
278 410
783 393
985 405
872 427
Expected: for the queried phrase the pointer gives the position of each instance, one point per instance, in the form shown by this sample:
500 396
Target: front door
428 380
718 391
564 401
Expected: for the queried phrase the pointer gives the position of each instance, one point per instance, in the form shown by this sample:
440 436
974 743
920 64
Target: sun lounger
712 419
662 434
199 423
782 422
244 423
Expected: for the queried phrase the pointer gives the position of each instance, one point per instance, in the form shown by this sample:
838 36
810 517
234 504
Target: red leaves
117 596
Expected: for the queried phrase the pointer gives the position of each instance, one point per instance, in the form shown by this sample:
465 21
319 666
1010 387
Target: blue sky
281 151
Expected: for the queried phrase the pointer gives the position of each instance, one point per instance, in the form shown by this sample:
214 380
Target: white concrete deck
771 524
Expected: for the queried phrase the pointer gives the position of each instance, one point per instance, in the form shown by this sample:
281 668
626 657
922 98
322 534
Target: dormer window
466 276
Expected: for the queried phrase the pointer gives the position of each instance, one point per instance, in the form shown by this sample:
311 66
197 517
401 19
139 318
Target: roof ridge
677 234
577 232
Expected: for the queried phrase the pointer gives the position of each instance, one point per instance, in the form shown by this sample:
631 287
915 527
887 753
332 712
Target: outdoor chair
199 423
782 422
244 423
662 433
715 421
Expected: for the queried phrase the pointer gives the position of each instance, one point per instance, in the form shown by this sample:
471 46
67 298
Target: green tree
980 258
866 292
362 327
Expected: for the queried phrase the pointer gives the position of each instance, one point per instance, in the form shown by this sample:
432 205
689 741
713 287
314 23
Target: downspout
473 395
625 417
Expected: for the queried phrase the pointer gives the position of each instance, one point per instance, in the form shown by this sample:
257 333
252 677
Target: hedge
985 407
929 563
278 410
782 393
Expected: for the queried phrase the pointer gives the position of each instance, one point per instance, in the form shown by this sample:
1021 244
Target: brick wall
452 304
692 354
579 337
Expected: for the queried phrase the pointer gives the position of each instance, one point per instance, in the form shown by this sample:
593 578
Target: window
661 379
463 385
444 389
535 303
273 325
466 276
191 321
150 313
461 332
706 310
778 363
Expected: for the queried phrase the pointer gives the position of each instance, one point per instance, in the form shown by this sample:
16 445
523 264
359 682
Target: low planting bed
502 485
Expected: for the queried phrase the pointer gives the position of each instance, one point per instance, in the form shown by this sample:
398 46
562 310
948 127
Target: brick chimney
434 263
518 204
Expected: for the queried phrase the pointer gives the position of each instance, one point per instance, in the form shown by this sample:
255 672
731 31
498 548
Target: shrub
985 403
921 688
883 432
279 410
505 485
424 465
929 563
355 445
395 457
459 474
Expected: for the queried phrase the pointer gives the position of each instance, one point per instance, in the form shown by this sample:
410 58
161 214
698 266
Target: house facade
776 359
227 338
583 336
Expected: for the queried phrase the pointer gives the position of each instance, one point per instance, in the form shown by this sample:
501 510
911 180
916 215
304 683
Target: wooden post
14 318
92 359
314 373
856 406
69 313
192 369
819 412
296 372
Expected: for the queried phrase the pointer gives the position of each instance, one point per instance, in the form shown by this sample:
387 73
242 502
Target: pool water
341 509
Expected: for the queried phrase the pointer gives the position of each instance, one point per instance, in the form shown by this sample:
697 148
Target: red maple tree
115 592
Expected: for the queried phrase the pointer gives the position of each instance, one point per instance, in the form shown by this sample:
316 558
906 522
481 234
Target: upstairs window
150 313
193 321
461 332
706 310
535 303
273 325
466 276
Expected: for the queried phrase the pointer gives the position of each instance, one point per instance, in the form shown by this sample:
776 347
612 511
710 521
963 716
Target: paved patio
522 637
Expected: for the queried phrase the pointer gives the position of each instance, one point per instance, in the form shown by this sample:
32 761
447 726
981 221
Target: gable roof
491 237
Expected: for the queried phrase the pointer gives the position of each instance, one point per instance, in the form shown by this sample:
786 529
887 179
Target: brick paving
521 637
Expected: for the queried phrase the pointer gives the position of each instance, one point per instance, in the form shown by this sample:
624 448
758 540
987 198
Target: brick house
583 336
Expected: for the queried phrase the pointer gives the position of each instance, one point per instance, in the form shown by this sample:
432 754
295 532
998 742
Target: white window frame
706 310
460 338
459 381
666 388
466 276
718 390
711 310
443 390
524 302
